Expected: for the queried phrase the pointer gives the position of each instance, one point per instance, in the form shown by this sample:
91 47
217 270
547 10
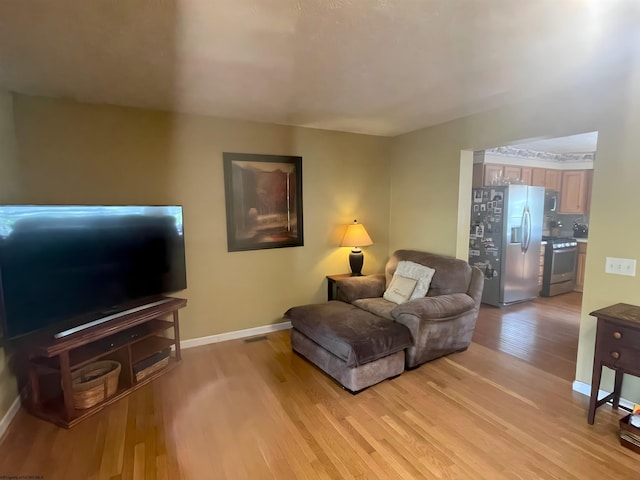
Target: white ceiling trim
536 155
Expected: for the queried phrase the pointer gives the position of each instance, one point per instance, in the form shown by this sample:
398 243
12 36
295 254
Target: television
65 266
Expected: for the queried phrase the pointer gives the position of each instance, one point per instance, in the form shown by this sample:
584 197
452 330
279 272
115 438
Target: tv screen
61 266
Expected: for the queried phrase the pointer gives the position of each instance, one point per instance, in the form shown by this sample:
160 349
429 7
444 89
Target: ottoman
355 347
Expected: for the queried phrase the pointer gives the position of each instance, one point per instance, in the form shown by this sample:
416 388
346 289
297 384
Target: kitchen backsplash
567 222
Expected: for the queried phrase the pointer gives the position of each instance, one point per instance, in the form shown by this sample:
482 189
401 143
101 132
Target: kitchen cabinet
512 174
497 174
582 261
574 185
553 179
589 185
493 174
478 176
545 177
573 196
538 177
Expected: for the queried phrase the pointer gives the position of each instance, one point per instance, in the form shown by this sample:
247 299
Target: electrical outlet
621 266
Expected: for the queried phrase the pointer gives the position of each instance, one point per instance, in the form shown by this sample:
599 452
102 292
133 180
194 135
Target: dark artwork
264 201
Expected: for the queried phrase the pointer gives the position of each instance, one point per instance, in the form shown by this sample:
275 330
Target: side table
617 347
331 284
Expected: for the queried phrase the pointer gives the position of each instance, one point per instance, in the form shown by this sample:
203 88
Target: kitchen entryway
506 226
543 331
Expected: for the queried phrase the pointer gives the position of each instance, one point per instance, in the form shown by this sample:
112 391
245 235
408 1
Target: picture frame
263 199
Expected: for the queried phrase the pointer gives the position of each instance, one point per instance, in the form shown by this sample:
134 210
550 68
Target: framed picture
263 196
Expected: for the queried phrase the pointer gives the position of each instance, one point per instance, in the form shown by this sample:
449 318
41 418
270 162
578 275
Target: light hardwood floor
543 332
253 410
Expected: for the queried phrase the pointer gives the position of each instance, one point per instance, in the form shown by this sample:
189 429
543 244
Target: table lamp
356 236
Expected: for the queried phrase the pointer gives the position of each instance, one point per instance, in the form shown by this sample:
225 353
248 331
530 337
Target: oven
559 271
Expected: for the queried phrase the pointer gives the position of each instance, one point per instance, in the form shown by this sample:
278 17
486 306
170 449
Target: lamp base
356 260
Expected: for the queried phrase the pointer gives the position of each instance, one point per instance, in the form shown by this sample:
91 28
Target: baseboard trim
585 389
223 337
9 416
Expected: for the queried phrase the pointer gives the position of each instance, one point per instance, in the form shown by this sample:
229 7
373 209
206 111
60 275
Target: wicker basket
94 383
142 374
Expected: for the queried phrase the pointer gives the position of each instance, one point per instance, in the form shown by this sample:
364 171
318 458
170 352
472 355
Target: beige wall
79 153
426 170
76 153
9 192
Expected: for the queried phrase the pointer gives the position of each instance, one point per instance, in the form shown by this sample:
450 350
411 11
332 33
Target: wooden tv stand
127 339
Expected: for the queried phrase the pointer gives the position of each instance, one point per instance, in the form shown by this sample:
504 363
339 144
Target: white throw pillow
418 272
400 289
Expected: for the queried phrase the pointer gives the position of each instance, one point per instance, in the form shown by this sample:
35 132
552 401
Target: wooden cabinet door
493 175
478 176
573 192
582 261
553 180
511 173
538 177
587 196
526 174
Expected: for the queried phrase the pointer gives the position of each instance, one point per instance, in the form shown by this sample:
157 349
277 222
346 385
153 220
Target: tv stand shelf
128 339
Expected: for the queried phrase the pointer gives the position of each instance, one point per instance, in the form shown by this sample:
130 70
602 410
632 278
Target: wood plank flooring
255 410
543 332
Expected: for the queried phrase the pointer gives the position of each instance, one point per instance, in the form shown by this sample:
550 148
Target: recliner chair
440 323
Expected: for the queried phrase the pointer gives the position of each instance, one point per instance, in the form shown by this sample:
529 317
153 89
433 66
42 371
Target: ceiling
382 67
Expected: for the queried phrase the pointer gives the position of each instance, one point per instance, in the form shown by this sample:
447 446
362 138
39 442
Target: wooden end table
331 284
617 347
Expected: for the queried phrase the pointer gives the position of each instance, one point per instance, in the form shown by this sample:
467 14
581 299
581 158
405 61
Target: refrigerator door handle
523 229
526 223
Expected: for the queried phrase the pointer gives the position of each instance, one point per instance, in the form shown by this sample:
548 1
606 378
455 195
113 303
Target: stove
559 272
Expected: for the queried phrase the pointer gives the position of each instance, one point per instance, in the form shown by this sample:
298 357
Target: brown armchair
440 323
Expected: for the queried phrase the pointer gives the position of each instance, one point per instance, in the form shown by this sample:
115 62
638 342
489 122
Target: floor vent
255 339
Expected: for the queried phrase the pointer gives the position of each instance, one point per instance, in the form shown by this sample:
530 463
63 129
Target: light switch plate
621 266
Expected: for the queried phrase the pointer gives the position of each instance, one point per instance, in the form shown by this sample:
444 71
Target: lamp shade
356 236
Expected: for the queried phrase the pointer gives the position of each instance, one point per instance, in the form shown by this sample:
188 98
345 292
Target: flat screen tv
65 266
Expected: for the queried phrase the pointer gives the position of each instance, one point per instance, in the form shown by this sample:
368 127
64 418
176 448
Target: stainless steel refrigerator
504 241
